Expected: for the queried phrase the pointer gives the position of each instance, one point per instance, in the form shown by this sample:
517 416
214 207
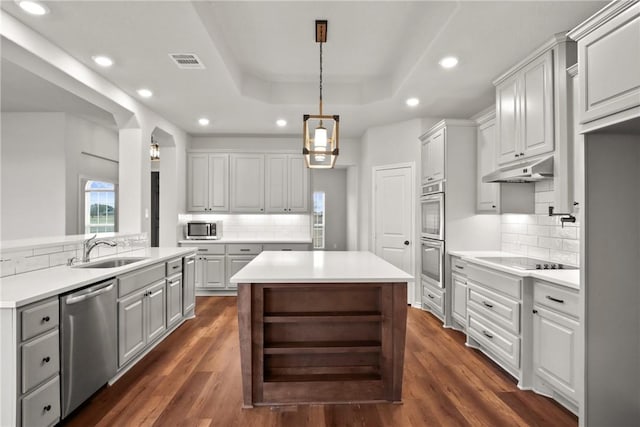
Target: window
318 220
99 207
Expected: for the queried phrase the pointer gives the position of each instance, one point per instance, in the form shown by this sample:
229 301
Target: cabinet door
218 186
197 182
174 300
131 327
424 161
276 181
298 184
235 264
536 103
555 350
488 193
188 286
459 299
507 111
436 154
213 271
199 272
247 182
156 311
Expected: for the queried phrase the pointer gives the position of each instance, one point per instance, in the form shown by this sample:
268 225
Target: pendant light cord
321 80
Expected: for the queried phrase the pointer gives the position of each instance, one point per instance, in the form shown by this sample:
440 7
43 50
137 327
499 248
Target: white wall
334 184
33 175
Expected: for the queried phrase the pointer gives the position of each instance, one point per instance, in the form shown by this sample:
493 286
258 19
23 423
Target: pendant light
320 132
154 150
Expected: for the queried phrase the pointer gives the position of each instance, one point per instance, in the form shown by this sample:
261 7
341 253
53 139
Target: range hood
532 171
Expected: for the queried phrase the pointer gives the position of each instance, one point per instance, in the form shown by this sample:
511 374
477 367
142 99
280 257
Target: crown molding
601 17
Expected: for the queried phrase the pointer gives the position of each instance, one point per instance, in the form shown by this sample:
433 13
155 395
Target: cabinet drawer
42 407
40 360
139 279
174 266
557 298
433 297
501 344
286 247
500 310
497 280
206 249
39 318
241 249
458 265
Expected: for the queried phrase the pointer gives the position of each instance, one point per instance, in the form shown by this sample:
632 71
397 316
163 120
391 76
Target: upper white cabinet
208 182
433 156
247 182
488 194
524 110
287 183
609 65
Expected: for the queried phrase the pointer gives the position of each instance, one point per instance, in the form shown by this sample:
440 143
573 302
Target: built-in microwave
203 230
432 212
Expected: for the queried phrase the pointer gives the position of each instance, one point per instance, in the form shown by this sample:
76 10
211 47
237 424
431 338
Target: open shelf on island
322 347
327 316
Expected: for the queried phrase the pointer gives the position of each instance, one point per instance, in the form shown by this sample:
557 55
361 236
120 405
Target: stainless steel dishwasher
88 342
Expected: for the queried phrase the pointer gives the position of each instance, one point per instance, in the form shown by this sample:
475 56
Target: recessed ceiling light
145 93
103 61
203 121
412 102
281 122
33 7
448 62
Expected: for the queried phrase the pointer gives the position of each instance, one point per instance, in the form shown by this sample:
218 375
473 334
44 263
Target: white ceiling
262 60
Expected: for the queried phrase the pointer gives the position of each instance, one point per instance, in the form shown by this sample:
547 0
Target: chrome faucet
91 243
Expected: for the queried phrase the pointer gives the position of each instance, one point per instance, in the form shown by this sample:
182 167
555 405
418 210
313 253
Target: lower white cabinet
141 319
556 348
210 273
433 299
174 300
459 299
189 286
234 264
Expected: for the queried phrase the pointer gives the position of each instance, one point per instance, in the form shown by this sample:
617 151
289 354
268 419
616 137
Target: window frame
321 226
83 181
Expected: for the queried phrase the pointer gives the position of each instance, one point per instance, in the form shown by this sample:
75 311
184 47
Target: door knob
406 243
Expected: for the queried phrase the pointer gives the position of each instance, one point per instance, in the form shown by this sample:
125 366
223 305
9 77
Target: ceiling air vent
187 61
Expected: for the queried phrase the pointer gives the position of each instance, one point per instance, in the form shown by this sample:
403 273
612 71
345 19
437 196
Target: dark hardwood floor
193 379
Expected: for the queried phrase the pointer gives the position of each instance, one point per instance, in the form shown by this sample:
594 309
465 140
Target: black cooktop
524 263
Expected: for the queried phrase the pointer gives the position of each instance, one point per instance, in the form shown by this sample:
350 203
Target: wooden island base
321 342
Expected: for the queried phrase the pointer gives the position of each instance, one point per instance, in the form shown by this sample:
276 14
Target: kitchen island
321 327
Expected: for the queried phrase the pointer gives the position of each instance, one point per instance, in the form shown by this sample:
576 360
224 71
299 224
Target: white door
393 209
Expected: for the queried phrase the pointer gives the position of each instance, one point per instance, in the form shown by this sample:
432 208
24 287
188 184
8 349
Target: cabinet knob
521 154
47 408
45 319
406 243
517 155
46 359
493 206
535 311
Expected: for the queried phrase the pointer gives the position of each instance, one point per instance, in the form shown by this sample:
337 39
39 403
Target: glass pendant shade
154 151
320 145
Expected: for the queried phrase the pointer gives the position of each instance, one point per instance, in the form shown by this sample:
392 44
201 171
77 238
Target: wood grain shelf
321 377
322 347
326 317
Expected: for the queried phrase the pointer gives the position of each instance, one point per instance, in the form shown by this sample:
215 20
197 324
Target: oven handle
437 196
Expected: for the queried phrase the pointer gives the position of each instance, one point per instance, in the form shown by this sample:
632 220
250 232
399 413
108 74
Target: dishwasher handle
73 299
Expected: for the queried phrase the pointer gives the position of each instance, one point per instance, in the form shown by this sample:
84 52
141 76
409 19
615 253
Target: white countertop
319 267
568 278
248 240
22 289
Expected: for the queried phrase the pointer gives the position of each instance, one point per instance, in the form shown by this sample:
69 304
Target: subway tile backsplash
257 226
539 235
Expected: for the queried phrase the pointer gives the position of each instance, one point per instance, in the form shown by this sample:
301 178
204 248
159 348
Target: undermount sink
110 263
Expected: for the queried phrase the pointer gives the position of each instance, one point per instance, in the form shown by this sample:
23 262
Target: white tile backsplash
258 226
539 235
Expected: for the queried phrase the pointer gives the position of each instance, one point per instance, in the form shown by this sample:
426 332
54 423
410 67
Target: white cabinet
247 182
174 300
208 182
459 299
487 194
609 65
524 111
156 311
188 287
210 272
235 263
556 347
433 146
287 183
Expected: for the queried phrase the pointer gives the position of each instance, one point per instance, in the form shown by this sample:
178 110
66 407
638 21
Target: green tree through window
99 207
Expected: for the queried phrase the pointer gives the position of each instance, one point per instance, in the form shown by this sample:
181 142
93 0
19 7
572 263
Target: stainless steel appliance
432 253
530 171
203 230
432 211
524 263
88 340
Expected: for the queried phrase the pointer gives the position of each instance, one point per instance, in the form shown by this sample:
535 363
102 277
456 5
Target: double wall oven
432 234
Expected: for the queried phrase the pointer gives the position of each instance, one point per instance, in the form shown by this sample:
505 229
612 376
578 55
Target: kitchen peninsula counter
321 327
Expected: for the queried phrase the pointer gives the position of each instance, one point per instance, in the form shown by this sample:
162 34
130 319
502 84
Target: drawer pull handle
550 298
486 304
460 267
430 296
487 334
47 408
46 359
175 266
287 249
203 250
45 319
244 250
